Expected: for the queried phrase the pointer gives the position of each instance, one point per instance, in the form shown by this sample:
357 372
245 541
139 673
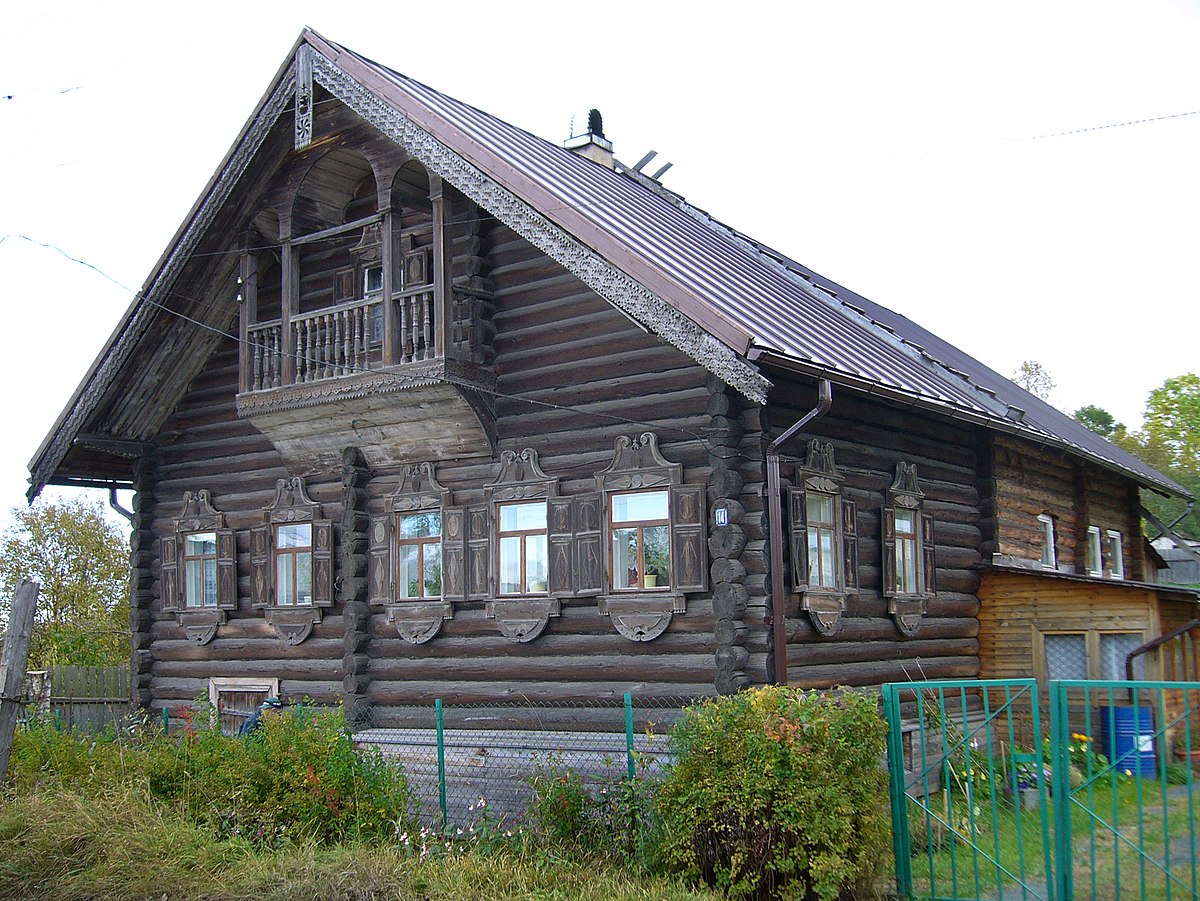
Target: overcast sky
1019 177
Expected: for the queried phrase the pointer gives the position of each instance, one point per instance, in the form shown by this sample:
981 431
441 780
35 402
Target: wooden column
12 664
443 260
291 303
248 315
391 322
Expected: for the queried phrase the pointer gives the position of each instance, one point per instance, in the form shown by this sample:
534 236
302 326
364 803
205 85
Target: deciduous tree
1034 378
81 561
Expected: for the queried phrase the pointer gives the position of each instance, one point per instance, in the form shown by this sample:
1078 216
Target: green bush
778 793
297 777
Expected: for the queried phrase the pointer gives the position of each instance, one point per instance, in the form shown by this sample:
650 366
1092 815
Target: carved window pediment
199 568
291 562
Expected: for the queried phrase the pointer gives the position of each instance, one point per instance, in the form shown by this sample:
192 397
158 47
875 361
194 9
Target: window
293 564
641 549
521 548
1114 563
372 280
1095 566
200 569
1090 654
419 555
822 540
905 541
1049 550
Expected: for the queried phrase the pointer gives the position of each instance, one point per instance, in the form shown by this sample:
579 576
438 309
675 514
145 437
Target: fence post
629 758
12 664
166 720
897 791
441 751
1060 762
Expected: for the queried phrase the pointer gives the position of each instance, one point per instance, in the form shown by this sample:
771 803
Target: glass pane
304 578
522 517
198 544
1093 552
1066 656
819 507
657 556
1114 648
294 536
827 570
409 583
373 279
642 506
625 556
285 588
433 569
906 564
535 563
200 582
510 565
1048 550
421 525
905 522
814 556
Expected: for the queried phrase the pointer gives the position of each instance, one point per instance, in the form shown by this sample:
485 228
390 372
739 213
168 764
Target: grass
1106 862
119 844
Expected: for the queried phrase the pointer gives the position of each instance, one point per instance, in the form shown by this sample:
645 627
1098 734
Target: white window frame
1049 541
1093 656
1114 562
1094 559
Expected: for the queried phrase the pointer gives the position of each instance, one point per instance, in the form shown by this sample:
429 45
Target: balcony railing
341 340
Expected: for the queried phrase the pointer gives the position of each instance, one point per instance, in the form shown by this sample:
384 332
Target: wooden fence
88 698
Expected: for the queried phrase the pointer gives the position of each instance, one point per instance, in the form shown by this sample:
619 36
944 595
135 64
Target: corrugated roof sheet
744 293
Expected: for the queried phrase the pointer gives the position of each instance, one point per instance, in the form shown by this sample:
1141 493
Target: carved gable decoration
521 478
416 620
304 97
291 613
202 548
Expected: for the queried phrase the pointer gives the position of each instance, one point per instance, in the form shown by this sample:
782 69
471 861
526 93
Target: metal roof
756 300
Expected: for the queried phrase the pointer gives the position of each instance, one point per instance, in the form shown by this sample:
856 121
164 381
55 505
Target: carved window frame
522 616
417 620
642 614
908 607
824 604
197 515
291 506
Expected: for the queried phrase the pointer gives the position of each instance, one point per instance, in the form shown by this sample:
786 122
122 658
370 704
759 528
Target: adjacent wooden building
418 405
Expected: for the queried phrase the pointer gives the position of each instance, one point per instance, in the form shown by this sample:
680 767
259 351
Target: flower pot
650 581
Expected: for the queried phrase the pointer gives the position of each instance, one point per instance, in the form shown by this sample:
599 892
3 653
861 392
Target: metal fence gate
987 805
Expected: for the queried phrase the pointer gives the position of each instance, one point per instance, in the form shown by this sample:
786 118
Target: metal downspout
775 525
112 502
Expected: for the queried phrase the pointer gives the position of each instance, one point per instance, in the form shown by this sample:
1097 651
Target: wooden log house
418 405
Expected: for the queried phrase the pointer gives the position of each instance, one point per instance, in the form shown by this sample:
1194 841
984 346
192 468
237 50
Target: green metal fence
466 762
987 806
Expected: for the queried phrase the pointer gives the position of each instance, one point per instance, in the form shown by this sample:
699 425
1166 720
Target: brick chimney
593 144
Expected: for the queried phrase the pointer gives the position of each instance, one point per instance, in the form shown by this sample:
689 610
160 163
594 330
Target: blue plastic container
1127 739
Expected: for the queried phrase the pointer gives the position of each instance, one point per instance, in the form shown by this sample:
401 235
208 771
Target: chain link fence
464 759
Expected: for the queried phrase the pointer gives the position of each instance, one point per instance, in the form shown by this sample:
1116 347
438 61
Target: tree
81 561
1034 378
1098 420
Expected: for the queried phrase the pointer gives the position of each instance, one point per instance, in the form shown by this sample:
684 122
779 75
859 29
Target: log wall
869 438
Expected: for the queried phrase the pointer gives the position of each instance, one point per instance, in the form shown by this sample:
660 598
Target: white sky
895 148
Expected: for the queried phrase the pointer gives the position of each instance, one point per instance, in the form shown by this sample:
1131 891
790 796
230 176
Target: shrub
777 792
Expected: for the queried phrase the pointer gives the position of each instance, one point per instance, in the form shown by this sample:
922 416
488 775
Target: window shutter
589 550
227 576
562 540
322 559
261 571
479 558
454 549
928 557
888 560
850 545
379 562
689 543
169 581
343 285
798 537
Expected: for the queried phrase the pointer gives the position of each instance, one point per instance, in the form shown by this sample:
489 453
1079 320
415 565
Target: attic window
1049 552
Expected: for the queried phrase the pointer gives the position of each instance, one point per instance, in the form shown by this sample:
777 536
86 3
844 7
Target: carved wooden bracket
523 619
417 622
908 613
642 617
293 624
201 625
825 611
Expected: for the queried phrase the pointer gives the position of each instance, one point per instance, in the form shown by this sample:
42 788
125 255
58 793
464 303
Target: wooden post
12 664
443 268
291 303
